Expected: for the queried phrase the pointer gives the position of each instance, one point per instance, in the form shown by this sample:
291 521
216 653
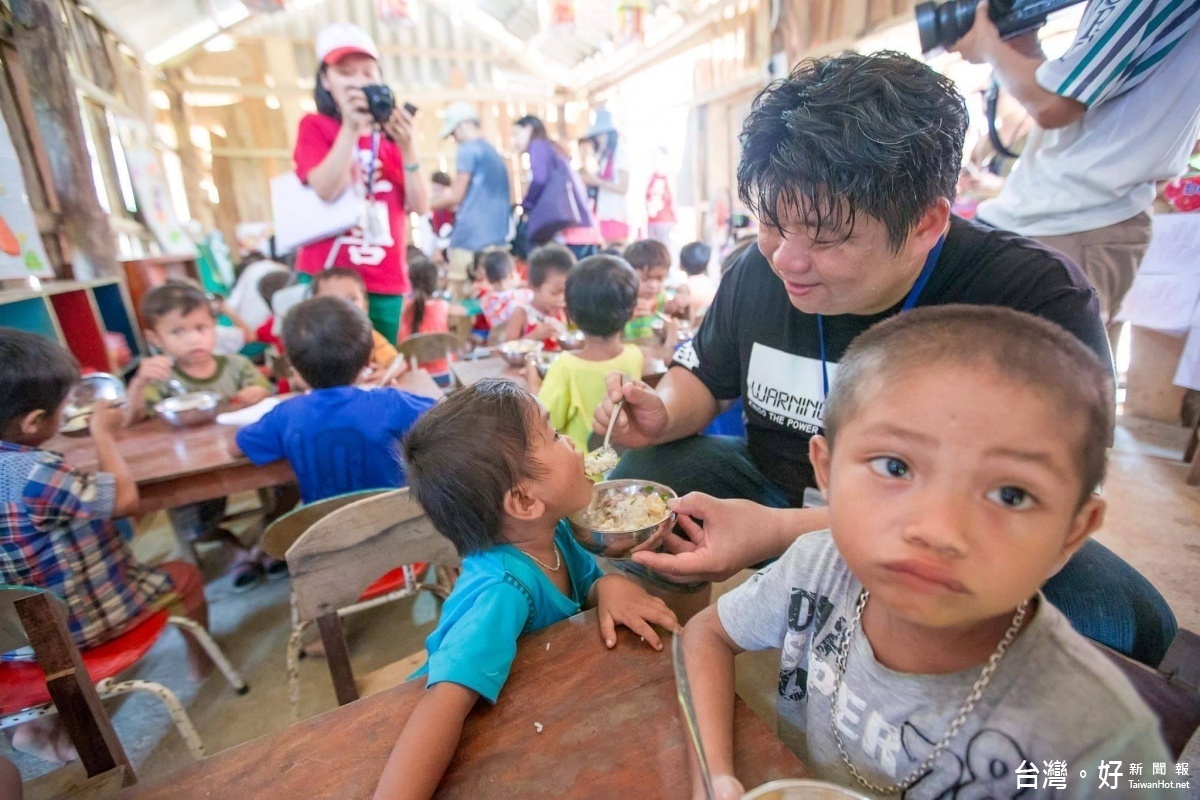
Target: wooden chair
338 557
393 585
1172 691
27 694
35 618
421 348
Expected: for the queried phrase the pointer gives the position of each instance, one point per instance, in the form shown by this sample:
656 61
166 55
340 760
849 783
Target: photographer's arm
1015 63
455 194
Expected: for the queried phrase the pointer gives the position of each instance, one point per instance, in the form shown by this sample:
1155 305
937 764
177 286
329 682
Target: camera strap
990 98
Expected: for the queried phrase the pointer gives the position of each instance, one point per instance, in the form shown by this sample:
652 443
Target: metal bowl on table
516 351
571 340
620 544
193 408
91 389
801 789
542 360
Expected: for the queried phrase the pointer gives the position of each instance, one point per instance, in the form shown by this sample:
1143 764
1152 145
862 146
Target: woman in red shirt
334 155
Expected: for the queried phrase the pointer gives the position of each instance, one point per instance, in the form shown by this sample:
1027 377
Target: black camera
380 102
943 25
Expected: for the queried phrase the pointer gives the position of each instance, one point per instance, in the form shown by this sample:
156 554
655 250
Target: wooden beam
252 152
189 159
431 97
42 40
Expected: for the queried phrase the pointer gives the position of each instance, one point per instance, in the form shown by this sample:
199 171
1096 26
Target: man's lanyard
909 302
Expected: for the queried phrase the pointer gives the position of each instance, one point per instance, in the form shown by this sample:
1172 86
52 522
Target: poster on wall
150 189
21 253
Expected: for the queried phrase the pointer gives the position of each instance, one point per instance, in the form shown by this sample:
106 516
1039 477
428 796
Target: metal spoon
176 387
683 691
603 453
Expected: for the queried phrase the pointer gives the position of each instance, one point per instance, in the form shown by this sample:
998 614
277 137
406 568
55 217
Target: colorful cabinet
76 314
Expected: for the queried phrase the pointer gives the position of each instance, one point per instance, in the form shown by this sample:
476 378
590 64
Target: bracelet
410 168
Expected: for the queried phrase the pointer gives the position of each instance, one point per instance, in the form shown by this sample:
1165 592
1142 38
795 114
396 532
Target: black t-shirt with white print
755 344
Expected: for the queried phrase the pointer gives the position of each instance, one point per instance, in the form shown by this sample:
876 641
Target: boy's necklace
543 564
965 711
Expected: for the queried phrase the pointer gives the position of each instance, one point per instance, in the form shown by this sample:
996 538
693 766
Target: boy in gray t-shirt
918 657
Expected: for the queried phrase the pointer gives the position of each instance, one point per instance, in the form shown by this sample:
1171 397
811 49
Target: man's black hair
601 294
328 341
878 134
492 420
694 258
35 374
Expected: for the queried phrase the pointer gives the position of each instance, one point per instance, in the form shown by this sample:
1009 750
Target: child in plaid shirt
56 524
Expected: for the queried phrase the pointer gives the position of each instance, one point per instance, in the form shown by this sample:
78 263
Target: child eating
57 528
962 449
337 437
347 284
425 312
544 316
502 296
601 293
180 322
652 261
503 509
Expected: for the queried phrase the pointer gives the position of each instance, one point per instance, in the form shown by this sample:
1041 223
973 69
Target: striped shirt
1133 63
57 533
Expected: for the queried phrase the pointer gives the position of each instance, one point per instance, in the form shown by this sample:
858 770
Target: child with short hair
503 295
337 437
963 445
503 508
180 323
694 259
347 284
57 528
652 261
601 293
544 316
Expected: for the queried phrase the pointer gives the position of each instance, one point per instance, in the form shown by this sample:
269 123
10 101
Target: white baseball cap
340 39
456 114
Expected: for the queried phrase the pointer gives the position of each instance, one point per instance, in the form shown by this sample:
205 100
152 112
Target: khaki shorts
459 264
1109 256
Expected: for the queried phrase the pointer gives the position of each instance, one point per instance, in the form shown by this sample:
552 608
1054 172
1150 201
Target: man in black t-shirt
851 165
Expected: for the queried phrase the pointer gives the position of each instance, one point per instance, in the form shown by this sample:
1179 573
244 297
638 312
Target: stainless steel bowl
91 389
571 340
515 352
542 361
620 545
799 789
193 408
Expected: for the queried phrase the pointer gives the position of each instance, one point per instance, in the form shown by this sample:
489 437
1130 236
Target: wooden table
176 466
610 720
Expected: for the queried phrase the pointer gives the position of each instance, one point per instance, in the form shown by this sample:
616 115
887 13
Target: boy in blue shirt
338 438
503 508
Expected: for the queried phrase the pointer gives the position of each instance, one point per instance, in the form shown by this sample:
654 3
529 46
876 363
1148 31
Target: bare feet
45 738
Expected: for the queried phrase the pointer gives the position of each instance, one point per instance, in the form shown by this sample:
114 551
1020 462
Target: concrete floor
1153 522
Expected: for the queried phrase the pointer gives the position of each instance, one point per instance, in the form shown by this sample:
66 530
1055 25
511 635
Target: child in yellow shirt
601 293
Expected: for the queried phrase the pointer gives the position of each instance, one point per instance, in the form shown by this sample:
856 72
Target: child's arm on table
620 601
708 652
427 743
254 386
516 325
104 424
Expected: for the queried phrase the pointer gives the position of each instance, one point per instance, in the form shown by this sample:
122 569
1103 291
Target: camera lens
943 25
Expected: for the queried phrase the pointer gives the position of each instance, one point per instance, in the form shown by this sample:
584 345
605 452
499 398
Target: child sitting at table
601 293
57 528
503 508
699 291
180 323
425 312
348 284
503 295
962 450
651 260
544 316
337 437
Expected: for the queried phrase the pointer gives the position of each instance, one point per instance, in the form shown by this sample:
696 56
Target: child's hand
250 395
620 601
155 368
725 787
645 307
106 420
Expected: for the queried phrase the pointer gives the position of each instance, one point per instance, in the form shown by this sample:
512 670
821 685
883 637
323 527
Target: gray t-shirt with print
1054 704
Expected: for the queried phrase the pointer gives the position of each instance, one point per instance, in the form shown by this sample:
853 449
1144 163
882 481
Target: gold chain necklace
544 565
965 711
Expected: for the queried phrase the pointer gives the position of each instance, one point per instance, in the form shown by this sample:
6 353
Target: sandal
245 574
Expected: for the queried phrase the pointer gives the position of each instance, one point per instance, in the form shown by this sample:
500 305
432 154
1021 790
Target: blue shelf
115 314
30 315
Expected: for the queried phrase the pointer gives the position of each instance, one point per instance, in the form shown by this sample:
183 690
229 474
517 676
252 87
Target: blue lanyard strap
909 302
